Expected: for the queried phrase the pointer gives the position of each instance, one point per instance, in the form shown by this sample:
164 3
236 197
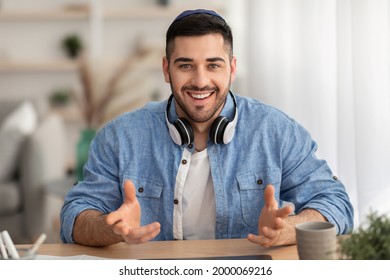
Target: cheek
175 86
222 80
177 81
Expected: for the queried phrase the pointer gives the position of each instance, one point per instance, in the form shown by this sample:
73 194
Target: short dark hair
198 24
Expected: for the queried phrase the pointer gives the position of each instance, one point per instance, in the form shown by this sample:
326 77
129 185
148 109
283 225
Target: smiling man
204 164
199 70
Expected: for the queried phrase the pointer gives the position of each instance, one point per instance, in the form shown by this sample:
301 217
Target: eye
214 66
185 66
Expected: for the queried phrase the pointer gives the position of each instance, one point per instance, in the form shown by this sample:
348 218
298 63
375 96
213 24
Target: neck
200 130
200 150
201 138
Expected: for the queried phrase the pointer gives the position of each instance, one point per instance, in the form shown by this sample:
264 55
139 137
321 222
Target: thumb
129 189
269 196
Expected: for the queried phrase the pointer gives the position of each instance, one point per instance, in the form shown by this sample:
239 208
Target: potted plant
95 100
370 242
60 97
72 45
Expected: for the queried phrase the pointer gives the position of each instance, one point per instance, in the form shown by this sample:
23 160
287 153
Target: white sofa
41 159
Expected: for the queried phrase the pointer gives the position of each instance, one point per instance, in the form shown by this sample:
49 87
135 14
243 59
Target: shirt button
184 161
335 178
259 181
190 146
176 201
141 190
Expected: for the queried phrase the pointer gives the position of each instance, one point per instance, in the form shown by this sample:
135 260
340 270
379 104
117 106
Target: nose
200 78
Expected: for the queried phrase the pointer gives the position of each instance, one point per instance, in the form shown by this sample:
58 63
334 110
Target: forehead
210 45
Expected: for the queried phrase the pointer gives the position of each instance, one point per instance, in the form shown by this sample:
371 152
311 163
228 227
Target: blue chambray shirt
268 148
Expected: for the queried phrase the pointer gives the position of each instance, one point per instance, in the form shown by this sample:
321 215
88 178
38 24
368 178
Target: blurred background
67 67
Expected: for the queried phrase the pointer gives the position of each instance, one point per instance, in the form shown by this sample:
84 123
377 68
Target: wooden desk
172 250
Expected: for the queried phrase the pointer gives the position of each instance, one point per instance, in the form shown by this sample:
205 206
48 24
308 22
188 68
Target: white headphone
222 130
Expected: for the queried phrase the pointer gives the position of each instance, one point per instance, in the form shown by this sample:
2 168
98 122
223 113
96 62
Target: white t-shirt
194 215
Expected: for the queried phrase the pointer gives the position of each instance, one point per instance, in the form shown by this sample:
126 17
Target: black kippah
198 11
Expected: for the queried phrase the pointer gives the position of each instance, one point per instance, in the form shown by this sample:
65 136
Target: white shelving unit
83 19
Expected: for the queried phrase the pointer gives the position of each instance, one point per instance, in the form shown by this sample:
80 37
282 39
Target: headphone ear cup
217 130
184 129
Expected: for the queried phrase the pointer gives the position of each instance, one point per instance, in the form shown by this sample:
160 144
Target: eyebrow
183 59
214 59
186 59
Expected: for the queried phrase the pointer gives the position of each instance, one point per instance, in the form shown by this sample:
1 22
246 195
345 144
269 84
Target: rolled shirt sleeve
309 183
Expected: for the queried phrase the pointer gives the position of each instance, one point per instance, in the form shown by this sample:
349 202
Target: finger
143 239
138 233
121 228
268 237
113 217
262 229
254 238
279 223
270 233
260 240
150 236
133 234
285 211
130 192
269 197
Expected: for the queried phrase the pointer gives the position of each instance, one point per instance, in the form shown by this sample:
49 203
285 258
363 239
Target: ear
165 67
233 68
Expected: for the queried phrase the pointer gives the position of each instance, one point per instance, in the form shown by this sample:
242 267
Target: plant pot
82 150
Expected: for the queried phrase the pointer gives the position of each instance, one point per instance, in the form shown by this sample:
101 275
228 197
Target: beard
199 113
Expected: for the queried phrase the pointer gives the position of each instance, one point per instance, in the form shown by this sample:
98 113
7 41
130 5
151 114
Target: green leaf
370 242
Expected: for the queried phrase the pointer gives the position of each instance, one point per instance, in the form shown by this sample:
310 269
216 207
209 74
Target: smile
200 96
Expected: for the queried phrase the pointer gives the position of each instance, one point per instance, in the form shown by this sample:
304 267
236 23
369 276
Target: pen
37 244
10 245
3 252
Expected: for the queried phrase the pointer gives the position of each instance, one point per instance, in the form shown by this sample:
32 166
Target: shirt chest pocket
251 187
148 193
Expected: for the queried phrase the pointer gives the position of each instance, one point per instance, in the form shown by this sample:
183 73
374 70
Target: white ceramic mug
316 240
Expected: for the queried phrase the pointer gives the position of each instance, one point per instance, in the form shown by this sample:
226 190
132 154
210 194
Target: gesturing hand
126 220
271 221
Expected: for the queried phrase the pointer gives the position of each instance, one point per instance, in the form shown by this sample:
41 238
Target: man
205 163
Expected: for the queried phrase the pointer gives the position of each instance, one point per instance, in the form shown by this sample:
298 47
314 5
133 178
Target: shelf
140 12
54 66
154 12
151 61
43 16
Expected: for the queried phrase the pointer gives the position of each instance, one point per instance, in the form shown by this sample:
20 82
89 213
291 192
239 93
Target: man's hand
126 220
271 221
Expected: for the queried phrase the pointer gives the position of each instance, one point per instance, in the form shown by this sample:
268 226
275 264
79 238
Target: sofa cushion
7 108
9 198
23 118
13 130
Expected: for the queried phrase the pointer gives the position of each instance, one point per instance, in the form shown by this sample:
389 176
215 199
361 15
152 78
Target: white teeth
201 96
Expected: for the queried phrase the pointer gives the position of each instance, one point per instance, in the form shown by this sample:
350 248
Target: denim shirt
268 147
